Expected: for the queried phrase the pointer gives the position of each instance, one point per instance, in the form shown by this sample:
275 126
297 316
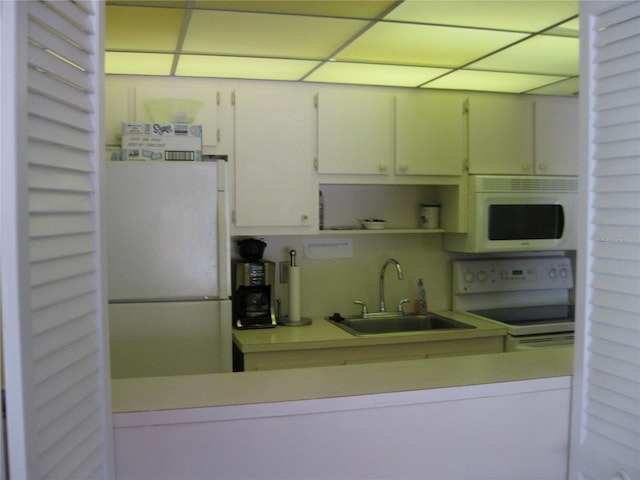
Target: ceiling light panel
151 3
242 67
563 88
519 15
539 54
127 63
567 29
491 81
371 74
421 45
265 35
142 28
331 8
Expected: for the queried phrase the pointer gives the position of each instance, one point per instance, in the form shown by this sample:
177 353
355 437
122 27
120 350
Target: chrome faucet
400 277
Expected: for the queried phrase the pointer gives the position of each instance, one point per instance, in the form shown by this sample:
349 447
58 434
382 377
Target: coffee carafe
253 283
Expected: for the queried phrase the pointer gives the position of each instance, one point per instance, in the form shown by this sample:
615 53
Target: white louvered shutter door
605 440
56 360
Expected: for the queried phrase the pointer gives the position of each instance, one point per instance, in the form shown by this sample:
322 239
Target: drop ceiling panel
492 81
402 44
126 63
371 74
260 35
236 67
539 54
565 87
567 29
331 8
152 3
493 43
143 29
524 16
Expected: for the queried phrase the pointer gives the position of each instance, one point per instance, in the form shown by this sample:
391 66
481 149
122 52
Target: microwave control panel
511 274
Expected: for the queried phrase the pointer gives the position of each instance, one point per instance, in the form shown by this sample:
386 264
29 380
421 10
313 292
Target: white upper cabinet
275 146
500 135
355 131
180 102
429 135
556 136
515 135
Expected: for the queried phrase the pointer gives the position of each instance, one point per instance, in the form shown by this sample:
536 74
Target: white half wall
497 431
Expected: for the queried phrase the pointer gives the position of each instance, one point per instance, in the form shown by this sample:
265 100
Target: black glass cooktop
529 315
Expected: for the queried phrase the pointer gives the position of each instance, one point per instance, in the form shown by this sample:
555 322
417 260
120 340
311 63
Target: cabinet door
429 135
180 103
355 132
500 135
275 133
556 136
116 108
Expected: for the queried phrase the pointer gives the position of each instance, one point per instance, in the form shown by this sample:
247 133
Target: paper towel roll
294 294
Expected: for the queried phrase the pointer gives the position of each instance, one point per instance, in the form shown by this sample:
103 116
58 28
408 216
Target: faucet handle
402 302
364 306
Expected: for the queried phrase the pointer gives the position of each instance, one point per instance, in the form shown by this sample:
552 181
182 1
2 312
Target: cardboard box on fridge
161 141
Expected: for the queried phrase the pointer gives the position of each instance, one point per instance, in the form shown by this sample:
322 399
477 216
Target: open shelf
363 231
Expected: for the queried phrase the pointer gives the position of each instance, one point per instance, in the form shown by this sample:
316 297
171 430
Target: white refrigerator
168 268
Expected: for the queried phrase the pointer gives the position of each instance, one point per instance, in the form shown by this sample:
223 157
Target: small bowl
373 224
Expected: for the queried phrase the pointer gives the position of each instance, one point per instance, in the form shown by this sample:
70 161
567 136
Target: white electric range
530 296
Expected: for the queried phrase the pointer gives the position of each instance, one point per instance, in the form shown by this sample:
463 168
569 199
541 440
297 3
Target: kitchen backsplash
331 285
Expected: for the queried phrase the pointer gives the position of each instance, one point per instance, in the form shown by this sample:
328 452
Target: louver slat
52 132
59 112
42 12
58 68
46 85
45 38
57 156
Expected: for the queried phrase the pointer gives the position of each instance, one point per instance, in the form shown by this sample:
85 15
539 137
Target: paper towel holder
285 320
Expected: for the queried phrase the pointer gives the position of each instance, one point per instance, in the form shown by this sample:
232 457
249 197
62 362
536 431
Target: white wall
332 285
513 430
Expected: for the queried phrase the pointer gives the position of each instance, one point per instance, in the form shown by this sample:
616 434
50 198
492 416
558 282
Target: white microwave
518 214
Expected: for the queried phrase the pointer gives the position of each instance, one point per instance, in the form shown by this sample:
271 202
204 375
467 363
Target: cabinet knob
542 166
304 217
383 166
524 167
404 167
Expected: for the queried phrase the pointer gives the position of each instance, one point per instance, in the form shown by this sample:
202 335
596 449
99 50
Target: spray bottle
422 298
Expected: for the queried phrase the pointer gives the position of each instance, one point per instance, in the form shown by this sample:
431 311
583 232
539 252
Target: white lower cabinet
272 360
274 153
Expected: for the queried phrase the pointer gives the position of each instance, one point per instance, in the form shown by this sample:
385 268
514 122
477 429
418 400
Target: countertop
243 388
324 334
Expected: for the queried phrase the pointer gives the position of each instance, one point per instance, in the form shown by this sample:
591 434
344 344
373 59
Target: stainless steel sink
396 324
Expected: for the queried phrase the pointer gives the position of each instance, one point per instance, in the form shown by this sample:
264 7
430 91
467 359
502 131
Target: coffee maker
253 288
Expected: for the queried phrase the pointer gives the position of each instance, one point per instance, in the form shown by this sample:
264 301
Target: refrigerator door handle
224 248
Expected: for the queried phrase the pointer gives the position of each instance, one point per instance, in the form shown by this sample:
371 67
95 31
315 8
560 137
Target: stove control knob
482 276
552 273
469 277
564 273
